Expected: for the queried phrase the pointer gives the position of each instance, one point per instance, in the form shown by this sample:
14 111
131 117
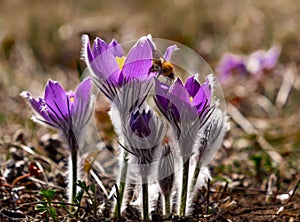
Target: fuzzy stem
195 176
145 198
184 187
73 146
122 185
167 197
74 175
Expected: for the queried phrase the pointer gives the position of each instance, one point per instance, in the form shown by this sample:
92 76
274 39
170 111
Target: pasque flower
187 108
229 64
126 82
256 63
139 123
143 133
111 69
261 61
67 111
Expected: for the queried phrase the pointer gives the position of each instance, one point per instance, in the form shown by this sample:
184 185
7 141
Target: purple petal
161 93
147 115
231 63
138 61
115 48
56 99
83 90
99 47
139 123
200 100
87 53
37 105
203 96
181 99
82 96
177 90
192 85
271 57
82 99
169 51
106 67
151 43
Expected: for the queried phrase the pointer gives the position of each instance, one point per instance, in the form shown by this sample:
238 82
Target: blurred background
42 40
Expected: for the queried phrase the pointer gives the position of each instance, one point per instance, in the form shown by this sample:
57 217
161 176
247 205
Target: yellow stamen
191 99
120 61
72 99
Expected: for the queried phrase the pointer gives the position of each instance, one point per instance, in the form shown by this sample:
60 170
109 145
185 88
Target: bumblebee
163 67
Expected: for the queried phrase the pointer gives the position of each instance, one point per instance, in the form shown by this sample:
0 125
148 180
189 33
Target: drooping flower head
67 111
143 133
111 69
139 123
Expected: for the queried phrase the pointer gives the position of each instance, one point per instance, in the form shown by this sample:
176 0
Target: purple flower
143 132
177 99
111 70
261 60
66 111
187 108
139 123
169 51
230 64
257 63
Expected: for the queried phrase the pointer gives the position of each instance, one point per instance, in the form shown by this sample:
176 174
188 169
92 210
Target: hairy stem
74 176
145 198
122 185
167 198
73 145
184 187
195 176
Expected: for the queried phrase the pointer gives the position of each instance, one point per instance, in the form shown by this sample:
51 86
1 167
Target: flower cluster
128 81
255 64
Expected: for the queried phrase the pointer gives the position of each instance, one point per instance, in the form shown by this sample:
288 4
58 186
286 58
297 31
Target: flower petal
231 63
56 99
169 51
161 94
83 89
99 47
105 67
192 85
115 48
200 100
271 57
81 105
177 90
86 49
138 61
139 123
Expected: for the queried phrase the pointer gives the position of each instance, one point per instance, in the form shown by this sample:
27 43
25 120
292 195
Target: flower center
191 99
72 98
120 61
